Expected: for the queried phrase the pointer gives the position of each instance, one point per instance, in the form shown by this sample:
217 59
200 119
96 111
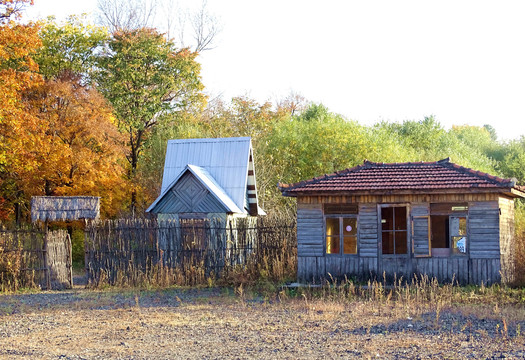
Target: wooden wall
392 199
482 264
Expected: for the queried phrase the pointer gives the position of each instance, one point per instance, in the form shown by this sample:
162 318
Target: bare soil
220 323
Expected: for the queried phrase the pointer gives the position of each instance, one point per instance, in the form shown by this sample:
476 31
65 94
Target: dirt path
214 323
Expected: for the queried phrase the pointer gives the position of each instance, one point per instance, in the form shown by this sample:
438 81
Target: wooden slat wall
483 263
483 230
445 269
420 229
408 198
368 231
507 247
310 241
317 268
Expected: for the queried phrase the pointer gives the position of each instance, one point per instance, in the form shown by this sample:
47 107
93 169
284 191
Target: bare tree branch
120 15
175 22
205 28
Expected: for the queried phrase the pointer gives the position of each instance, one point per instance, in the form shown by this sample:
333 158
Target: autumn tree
18 72
145 78
73 144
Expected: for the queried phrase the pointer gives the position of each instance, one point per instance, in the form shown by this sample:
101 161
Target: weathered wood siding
420 229
445 269
392 199
315 268
310 241
483 230
507 246
368 231
485 262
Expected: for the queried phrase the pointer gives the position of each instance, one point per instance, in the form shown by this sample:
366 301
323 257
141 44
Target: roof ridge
221 139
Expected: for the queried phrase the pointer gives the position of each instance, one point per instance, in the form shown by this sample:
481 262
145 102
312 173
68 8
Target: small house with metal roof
208 179
396 220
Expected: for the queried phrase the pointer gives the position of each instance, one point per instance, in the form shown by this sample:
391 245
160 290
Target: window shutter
421 236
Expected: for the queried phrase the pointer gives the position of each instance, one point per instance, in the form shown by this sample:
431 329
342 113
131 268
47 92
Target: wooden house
433 218
208 180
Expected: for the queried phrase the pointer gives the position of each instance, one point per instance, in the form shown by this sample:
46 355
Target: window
394 229
458 234
448 229
341 234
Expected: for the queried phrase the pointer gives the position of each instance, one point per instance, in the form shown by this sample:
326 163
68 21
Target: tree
145 77
18 43
71 143
128 15
70 46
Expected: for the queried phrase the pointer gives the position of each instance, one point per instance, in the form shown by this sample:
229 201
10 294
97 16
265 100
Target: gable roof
380 178
205 178
223 165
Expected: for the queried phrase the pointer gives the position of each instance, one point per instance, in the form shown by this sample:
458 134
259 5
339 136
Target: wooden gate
58 260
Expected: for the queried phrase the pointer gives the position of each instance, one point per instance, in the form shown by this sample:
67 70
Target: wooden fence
134 250
33 258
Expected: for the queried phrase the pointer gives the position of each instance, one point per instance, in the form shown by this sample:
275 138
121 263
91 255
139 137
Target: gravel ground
215 323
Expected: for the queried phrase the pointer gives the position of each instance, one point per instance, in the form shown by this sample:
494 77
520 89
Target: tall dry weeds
519 234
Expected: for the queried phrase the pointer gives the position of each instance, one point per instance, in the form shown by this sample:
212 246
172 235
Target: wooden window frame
466 236
407 229
341 233
450 210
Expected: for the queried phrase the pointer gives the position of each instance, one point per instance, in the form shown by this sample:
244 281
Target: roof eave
507 191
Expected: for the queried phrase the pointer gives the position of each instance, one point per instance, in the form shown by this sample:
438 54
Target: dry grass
227 323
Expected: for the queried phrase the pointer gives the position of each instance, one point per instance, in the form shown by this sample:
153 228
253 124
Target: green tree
145 78
69 46
513 163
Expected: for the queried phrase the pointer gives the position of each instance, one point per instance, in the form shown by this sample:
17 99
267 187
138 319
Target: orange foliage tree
57 136
18 72
72 142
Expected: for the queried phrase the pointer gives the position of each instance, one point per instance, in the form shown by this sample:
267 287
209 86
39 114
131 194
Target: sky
460 61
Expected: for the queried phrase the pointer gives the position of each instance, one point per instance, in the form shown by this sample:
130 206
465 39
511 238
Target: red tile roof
381 178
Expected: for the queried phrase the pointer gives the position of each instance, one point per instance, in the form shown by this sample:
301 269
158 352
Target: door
394 241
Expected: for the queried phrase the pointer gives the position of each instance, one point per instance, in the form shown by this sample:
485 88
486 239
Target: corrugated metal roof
224 163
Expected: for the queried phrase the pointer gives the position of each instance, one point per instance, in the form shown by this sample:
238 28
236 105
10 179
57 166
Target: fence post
69 262
46 256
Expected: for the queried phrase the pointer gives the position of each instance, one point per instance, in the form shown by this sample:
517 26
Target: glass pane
459 244
458 226
401 242
387 218
388 242
400 214
350 245
349 226
332 244
463 226
332 226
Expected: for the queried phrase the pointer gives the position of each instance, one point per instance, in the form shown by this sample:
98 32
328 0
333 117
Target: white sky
462 61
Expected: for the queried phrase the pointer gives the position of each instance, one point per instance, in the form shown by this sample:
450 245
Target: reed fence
135 252
31 258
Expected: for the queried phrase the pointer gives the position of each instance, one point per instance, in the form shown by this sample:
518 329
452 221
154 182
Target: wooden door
394 260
